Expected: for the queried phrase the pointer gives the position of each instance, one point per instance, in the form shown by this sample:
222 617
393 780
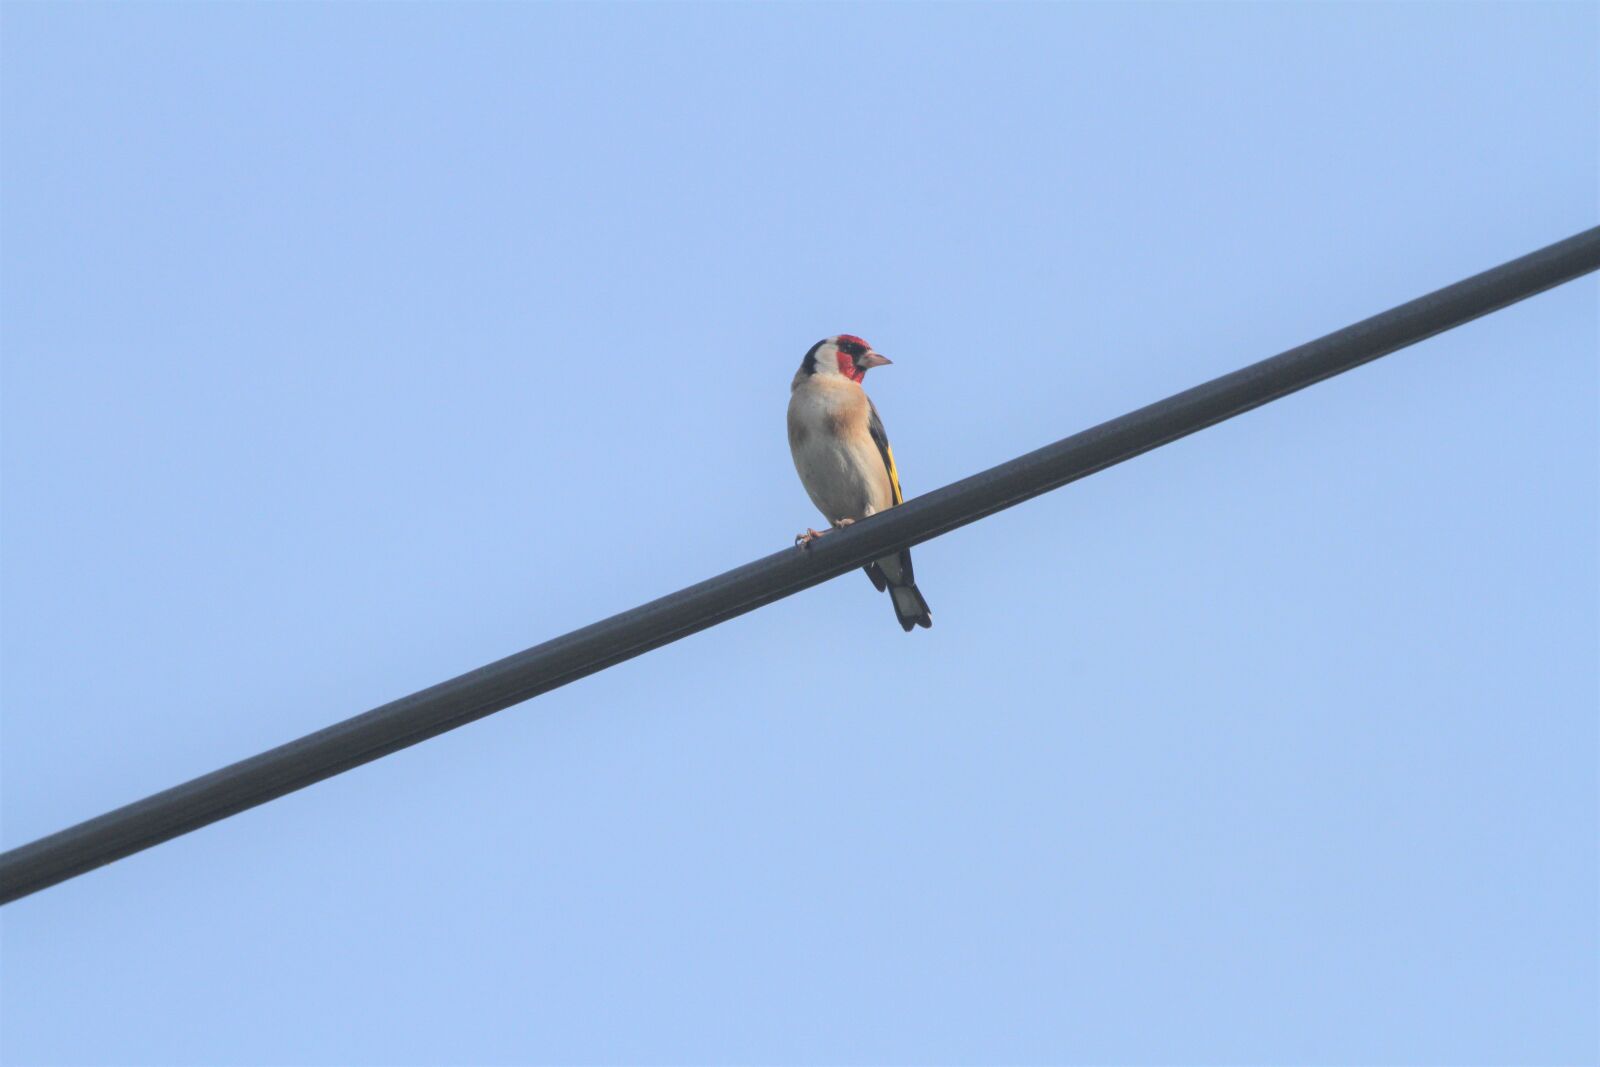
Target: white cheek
828 360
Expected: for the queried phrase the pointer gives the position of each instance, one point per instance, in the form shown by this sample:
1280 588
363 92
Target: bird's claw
804 540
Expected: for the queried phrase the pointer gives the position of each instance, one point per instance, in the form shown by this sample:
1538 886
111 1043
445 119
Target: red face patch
847 362
848 368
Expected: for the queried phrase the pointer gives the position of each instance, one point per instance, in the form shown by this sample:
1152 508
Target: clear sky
348 347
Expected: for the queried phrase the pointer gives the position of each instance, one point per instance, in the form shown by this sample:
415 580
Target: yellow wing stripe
894 475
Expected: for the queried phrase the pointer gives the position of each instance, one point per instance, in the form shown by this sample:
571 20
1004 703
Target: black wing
880 437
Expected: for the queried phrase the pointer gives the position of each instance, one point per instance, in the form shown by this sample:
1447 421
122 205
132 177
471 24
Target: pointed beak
872 359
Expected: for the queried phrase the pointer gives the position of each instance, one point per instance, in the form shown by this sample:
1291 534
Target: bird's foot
804 540
812 535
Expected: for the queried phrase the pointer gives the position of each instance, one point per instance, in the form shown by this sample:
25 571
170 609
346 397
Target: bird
842 455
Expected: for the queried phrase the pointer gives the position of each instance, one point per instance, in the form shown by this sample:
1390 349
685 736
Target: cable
417 717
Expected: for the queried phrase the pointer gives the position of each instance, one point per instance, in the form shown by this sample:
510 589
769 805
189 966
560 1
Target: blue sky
348 347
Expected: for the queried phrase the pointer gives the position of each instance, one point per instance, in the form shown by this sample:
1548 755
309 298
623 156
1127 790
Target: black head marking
809 364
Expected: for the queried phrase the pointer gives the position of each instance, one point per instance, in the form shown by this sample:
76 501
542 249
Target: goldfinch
843 457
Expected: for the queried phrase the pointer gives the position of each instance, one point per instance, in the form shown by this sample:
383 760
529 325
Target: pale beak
872 359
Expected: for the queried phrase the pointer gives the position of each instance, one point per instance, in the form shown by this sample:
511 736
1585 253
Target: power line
514 679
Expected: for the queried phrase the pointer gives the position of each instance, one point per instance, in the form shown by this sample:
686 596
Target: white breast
841 471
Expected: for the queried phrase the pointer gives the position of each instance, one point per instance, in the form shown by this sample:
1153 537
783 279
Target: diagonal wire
417 717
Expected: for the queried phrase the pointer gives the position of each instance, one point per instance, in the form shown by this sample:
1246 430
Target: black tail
909 607
894 574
